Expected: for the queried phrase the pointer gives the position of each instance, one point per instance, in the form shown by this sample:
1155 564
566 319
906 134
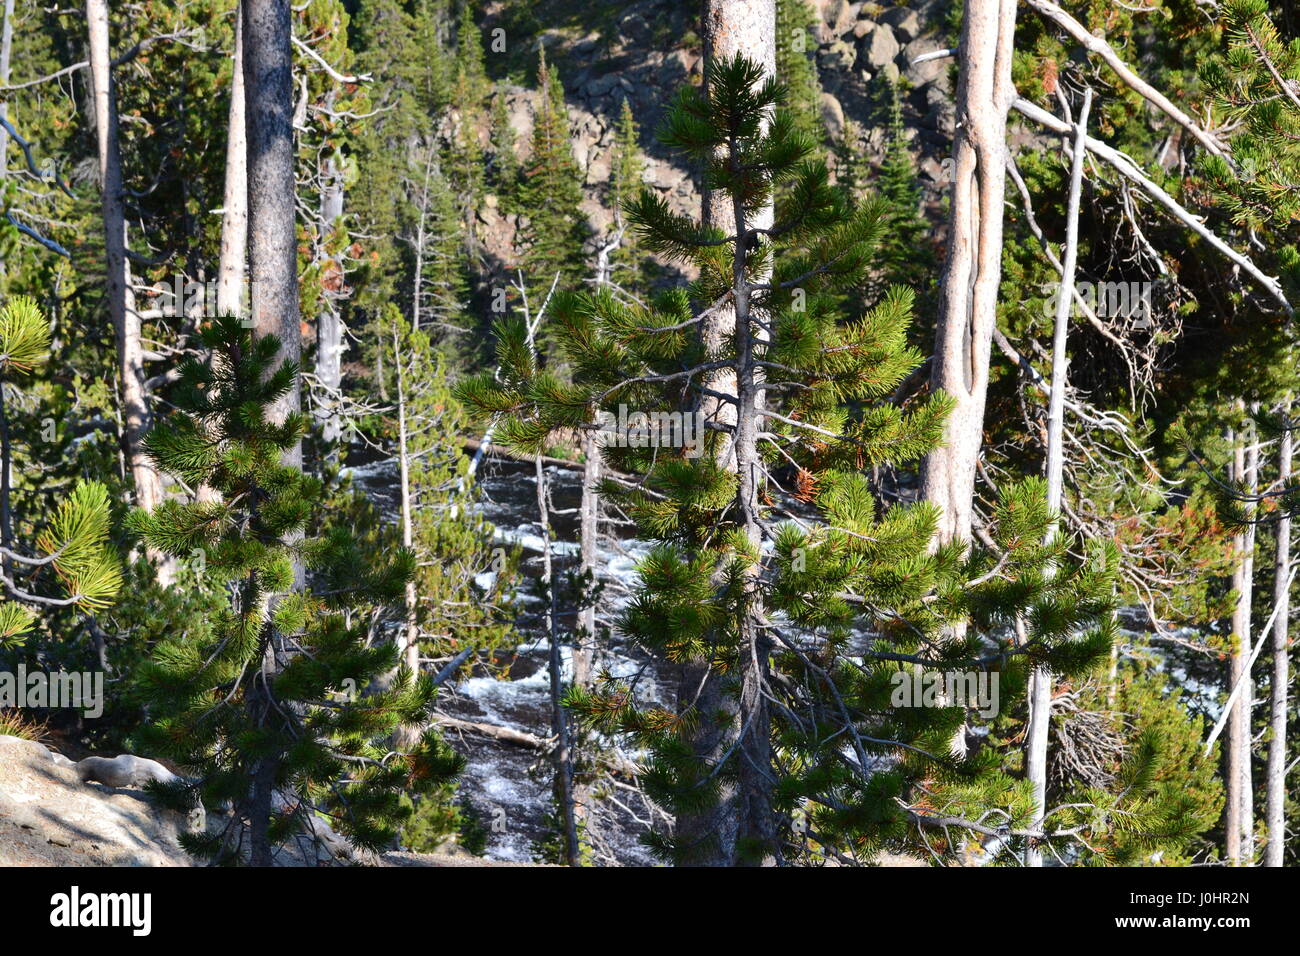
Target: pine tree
469 95
74 544
394 146
505 164
1183 797
625 175
1254 84
819 619
551 191
435 239
261 707
906 253
795 67
852 167
448 611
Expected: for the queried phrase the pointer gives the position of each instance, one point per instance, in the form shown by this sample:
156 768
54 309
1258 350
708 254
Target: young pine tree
551 191
626 169
795 609
795 68
906 255
469 98
260 708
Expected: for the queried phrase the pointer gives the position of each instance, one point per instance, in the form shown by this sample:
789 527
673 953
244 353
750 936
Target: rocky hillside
643 51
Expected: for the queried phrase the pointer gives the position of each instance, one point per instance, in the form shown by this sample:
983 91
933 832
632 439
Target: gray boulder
125 771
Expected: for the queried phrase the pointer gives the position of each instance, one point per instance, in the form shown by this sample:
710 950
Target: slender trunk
273 269
1237 811
972 272
234 216
417 277
560 725
121 300
407 737
589 512
6 49
329 324
1277 751
726 707
1040 689
6 459
6 455
1246 702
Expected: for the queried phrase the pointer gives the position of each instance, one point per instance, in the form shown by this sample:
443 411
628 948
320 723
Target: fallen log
613 762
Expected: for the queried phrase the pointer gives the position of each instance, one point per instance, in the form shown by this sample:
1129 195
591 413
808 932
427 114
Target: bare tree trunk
273 269
589 534
561 729
329 324
6 456
272 249
417 277
1040 689
6 49
723 711
1237 811
233 263
1277 751
1246 703
121 300
969 287
406 737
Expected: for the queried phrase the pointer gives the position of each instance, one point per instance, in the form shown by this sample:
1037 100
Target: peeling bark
969 286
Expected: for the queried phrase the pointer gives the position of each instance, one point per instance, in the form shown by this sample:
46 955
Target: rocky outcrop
643 52
50 817
54 812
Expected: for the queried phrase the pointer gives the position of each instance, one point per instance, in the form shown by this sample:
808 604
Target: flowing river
509 785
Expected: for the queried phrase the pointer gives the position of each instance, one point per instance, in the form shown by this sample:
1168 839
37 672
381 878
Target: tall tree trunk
1247 700
121 300
407 737
561 728
6 49
272 249
1040 688
1277 749
273 269
231 268
1238 816
329 324
969 286
727 708
589 535
6 456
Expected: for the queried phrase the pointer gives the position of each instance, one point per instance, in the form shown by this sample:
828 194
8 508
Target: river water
509 786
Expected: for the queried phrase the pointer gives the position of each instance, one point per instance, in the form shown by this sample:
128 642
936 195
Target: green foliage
796 42
24 336
551 190
1254 82
840 603
625 180
74 544
282 708
1137 775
